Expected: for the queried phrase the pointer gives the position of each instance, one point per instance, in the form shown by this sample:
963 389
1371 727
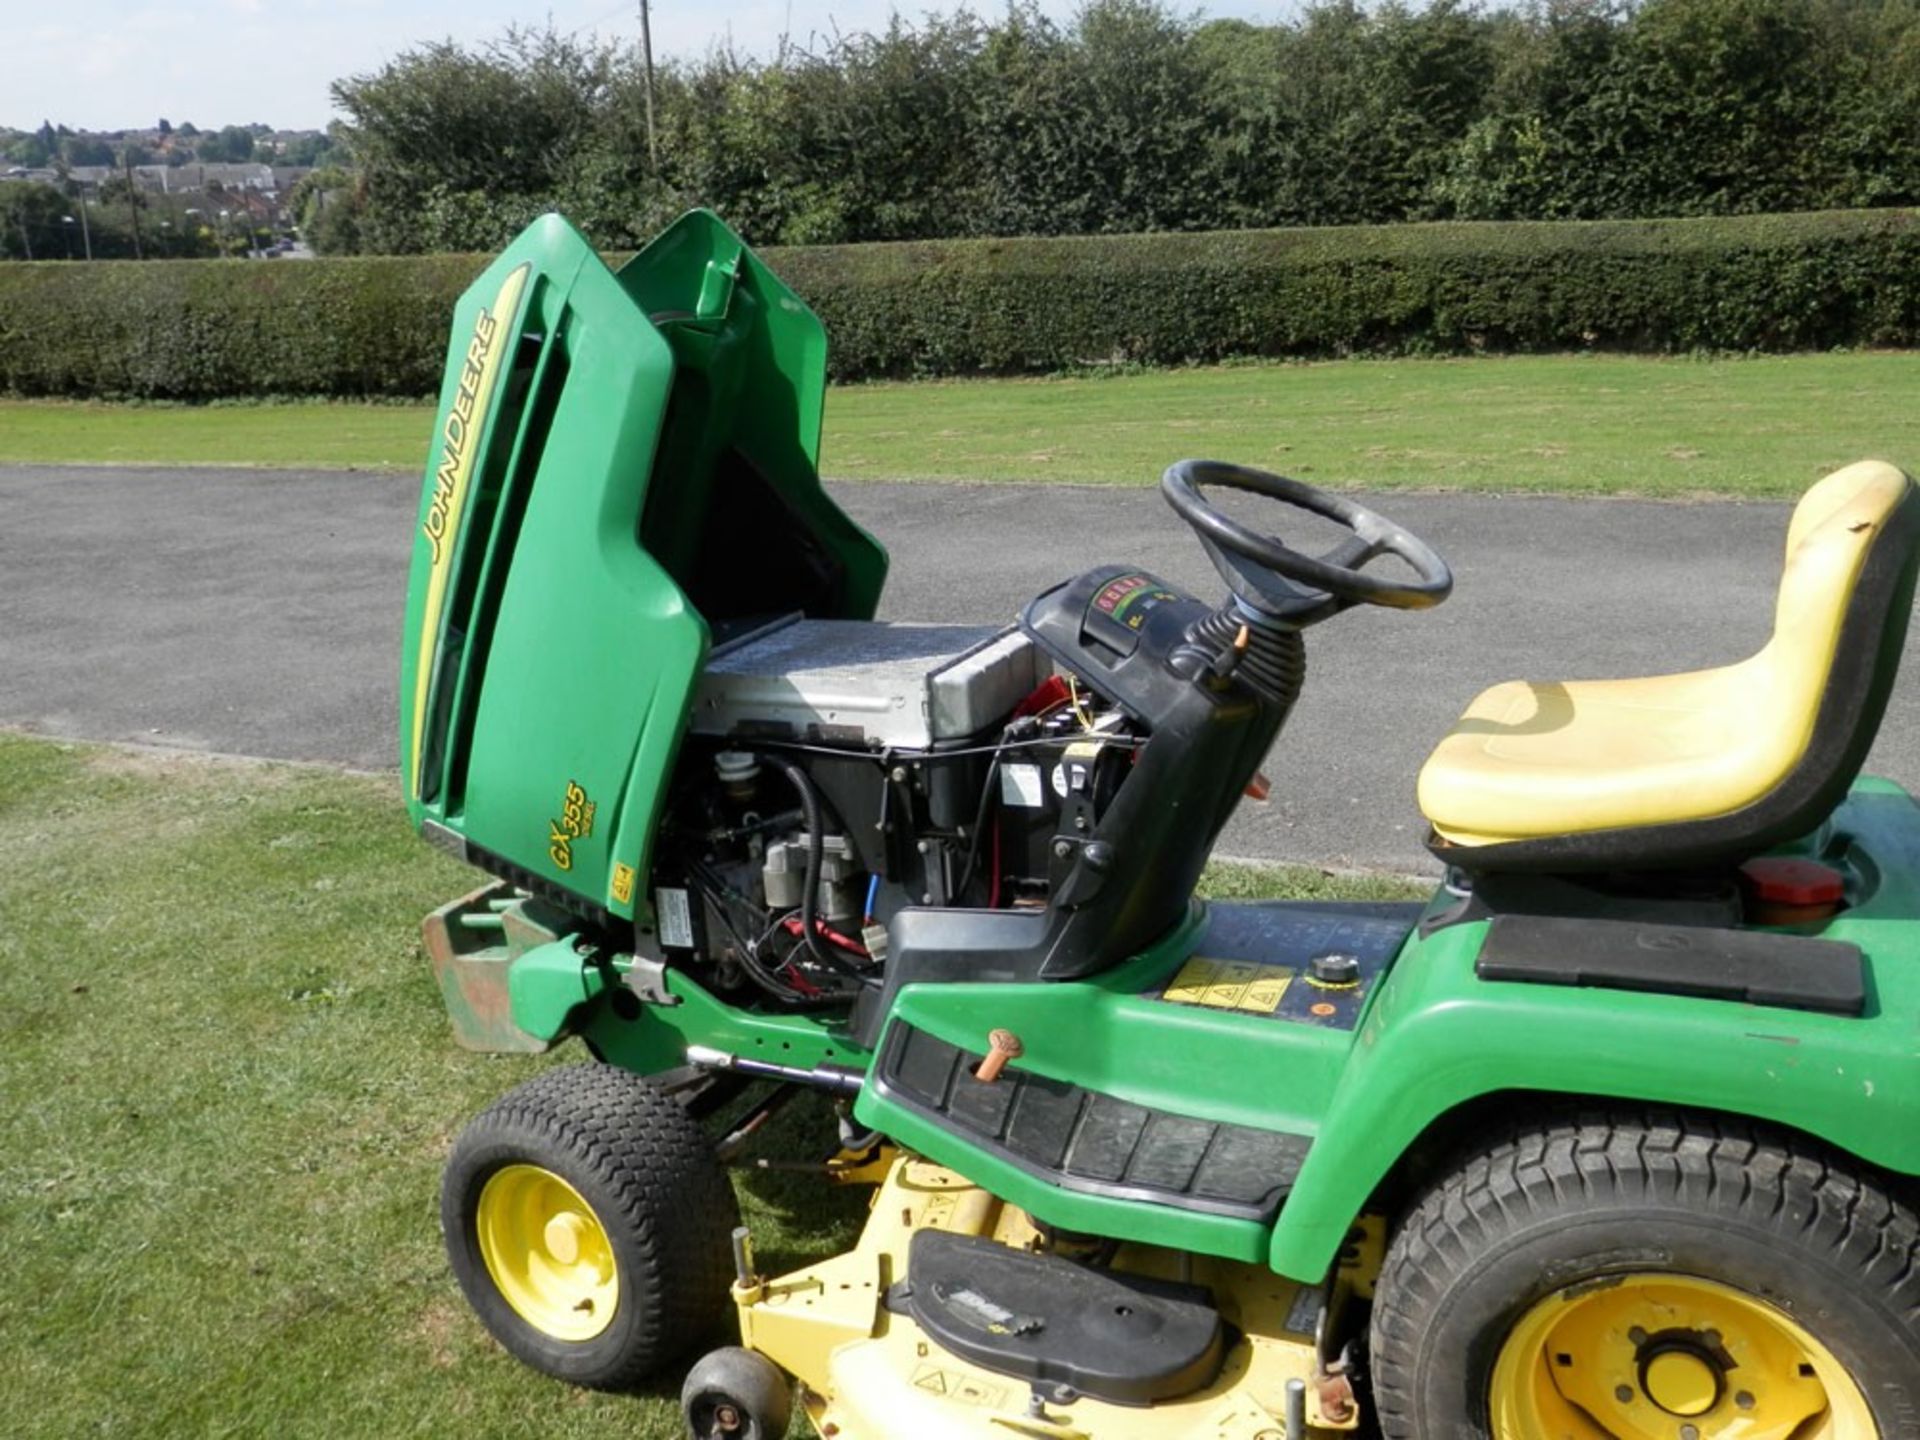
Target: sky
121 64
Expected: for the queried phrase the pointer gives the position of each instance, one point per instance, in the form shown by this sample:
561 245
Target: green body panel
600 647
608 400
762 377
1101 1034
430 649
1436 1036
657 1038
1433 1036
546 985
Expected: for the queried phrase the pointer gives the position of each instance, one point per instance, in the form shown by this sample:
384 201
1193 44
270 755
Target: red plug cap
1779 880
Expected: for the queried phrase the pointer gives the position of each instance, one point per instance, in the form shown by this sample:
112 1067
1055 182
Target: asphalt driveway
258 613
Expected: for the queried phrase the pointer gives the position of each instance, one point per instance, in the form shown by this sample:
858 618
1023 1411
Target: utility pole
86 235
133 202
646 47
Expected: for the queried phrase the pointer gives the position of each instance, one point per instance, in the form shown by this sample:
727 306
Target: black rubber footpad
1760 967
1049 1321
1086 1141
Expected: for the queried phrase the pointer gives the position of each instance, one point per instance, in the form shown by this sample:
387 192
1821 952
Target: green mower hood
622 473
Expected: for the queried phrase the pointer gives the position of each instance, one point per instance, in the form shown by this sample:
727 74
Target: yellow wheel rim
547 1252
1668 1357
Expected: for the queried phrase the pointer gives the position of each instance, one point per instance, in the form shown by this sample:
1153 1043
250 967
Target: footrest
1119 1338
1089 1142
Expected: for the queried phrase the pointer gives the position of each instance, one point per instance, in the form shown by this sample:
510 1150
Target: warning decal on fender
1230 985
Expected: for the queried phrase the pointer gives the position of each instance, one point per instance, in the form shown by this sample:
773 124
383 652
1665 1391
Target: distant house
175 179
170 179
259 193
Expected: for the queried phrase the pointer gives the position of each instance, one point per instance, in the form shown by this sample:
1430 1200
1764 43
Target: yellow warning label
623 883
954 1385
973 1392
1230 985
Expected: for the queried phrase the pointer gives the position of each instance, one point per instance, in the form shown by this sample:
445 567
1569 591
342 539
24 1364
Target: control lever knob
1335 968
1002 1046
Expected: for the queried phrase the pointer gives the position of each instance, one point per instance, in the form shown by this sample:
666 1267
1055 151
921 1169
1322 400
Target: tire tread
669 1193
1530 1172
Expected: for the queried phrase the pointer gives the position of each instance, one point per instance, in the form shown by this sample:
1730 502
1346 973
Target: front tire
1650 1276
587 1220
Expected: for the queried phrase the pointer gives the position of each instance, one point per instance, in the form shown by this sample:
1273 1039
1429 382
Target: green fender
1437 1037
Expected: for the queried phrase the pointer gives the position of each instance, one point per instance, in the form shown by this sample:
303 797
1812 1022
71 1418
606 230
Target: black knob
1335 968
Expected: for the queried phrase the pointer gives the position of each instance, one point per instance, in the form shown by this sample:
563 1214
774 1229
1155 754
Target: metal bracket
648 980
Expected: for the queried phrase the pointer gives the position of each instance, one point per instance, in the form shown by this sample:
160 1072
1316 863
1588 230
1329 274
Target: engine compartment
836 772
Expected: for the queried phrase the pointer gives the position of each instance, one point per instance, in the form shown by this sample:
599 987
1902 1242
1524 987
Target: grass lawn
291 434
226 1088
1566 424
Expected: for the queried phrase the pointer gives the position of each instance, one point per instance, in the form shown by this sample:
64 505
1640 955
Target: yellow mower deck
868 1374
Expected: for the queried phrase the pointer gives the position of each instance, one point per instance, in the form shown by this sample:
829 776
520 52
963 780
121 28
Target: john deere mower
1614 1136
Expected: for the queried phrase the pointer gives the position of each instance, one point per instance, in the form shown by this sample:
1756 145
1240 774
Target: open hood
622 471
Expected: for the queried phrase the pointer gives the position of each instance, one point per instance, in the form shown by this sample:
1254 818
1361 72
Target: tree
307 149
30 151
87 150
1103 125
30 222
232 145
116 190
502 125
327 205
1133 116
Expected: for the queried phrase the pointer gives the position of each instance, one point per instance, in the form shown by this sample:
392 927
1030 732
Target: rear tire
1631 1261
587 1220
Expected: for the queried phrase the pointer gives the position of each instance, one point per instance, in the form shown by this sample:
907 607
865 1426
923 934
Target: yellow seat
1533 761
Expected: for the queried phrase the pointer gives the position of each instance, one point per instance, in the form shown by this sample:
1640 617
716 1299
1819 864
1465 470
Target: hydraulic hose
979 824
814 817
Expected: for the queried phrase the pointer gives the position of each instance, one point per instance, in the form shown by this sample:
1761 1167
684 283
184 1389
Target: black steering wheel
1282 582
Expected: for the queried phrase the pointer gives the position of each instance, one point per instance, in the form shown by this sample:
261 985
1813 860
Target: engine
837 771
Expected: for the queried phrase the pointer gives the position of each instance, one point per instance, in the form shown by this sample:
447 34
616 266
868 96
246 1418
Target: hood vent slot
519 436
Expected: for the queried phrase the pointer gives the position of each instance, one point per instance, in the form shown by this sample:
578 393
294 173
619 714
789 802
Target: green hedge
1779 282
201 330
207 329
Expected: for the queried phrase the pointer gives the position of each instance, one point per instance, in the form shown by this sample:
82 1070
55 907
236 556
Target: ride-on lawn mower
1617 1135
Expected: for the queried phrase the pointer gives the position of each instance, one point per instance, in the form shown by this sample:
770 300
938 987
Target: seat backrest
1846 594
1830 603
